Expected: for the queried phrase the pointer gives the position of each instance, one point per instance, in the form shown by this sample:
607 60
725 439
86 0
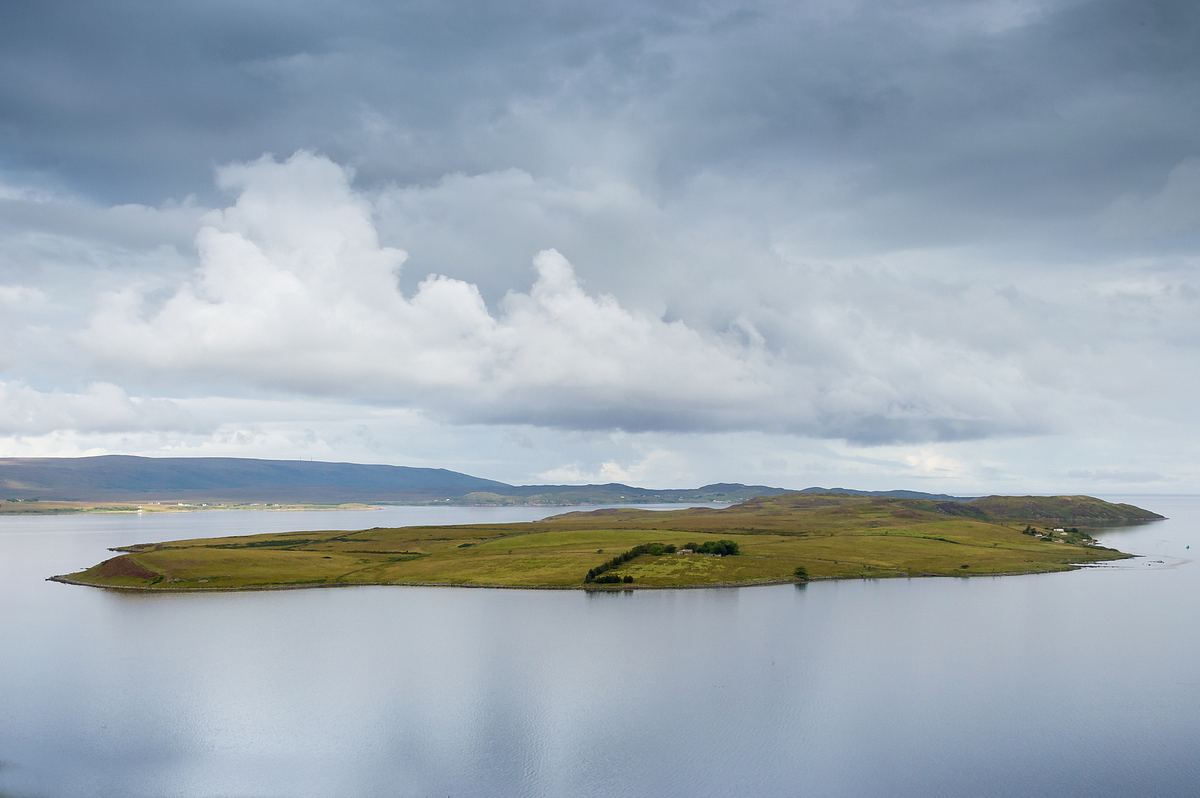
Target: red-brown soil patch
124 566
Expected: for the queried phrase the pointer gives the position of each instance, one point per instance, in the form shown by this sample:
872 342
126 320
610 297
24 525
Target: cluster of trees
611 579
599 575
722 547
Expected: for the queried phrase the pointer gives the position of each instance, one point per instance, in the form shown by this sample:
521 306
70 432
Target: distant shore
32 507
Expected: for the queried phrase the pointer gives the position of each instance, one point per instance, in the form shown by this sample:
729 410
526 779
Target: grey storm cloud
1017 109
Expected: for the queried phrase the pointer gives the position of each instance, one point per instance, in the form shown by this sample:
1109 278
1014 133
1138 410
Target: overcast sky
948 246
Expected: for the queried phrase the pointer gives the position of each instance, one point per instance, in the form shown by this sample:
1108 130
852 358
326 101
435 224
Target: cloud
930 463
102 407
1173 209
764 226
656 468
1117 475
996 112
19 295
294 292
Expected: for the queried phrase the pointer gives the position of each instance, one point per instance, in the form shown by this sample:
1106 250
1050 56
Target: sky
937 245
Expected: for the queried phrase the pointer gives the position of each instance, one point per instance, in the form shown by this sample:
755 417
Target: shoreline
65 579
129 508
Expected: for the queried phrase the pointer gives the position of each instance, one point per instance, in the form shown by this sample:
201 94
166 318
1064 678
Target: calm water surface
1085 683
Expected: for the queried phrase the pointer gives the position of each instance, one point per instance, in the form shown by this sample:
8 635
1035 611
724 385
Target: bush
628 579
800 574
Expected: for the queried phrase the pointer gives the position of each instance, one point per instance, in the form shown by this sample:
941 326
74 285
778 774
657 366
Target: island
767 540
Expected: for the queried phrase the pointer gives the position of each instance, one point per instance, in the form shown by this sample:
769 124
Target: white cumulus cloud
101 407
295 292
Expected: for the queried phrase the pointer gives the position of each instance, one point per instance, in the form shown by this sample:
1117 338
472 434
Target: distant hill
1063 510
120 478
617 493
1044 511
124 478
887 494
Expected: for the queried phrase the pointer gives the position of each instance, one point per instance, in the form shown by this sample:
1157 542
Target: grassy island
760 541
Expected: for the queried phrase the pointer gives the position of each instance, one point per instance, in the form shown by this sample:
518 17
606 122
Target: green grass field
832 537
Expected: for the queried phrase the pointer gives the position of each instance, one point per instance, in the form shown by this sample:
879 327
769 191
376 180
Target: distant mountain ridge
889 494
118 478
125 478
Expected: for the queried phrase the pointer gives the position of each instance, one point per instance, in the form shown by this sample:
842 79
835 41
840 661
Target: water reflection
1078 684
